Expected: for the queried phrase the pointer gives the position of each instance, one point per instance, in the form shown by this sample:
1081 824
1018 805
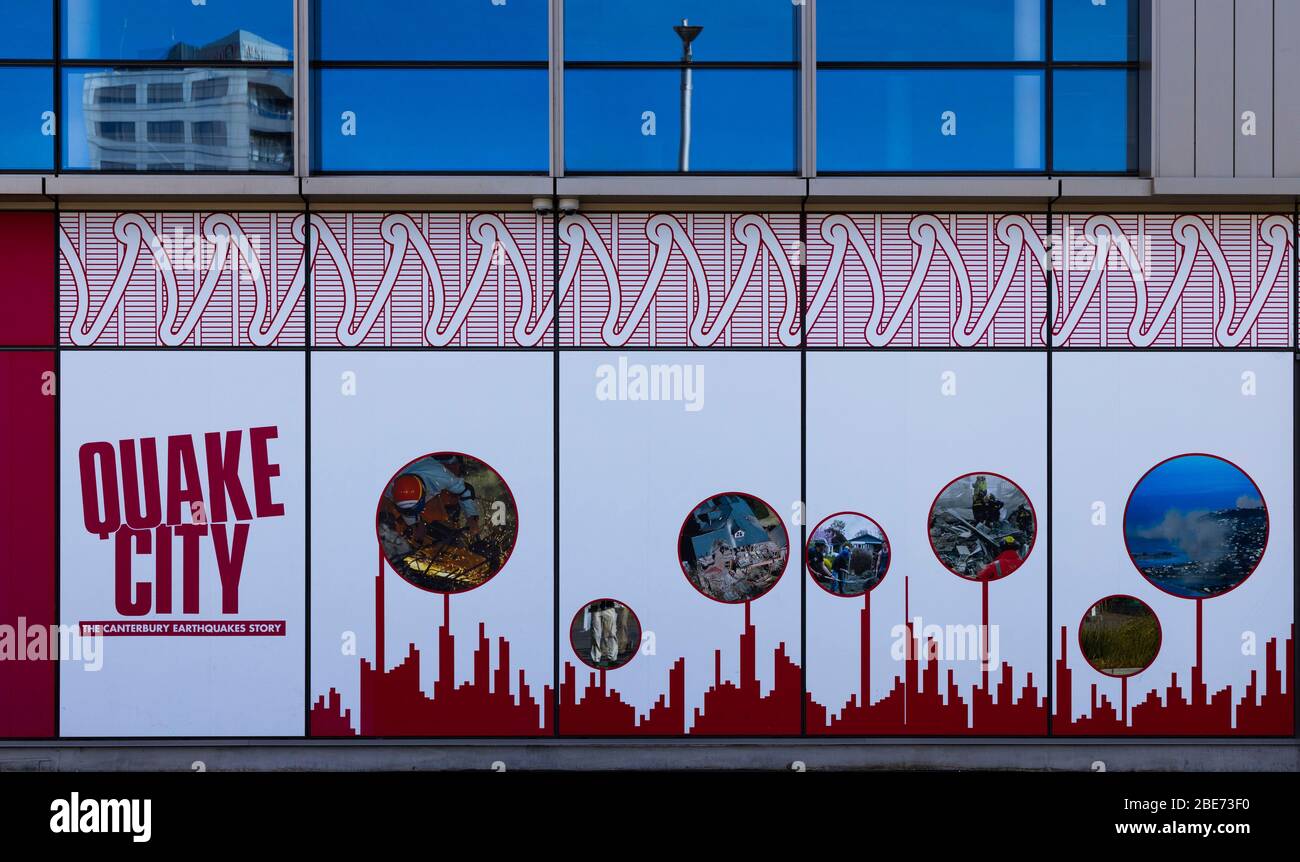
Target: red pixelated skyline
919 703
729 708
393 704
924 700
1266 712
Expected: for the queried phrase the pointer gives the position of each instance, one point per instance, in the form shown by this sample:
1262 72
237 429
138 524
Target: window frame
50 65
802 110
61 65
315 65
1048 66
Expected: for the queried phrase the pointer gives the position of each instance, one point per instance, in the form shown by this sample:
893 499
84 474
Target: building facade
849 259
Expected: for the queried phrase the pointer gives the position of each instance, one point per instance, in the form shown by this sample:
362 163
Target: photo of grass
1120 636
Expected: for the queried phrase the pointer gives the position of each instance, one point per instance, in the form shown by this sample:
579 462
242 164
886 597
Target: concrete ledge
942 188
1106 187
21 188
1230 186
605 755
683 187
340 188
172 186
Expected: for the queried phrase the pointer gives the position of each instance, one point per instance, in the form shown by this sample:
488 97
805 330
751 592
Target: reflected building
201 119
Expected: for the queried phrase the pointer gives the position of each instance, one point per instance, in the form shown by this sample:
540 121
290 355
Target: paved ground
1112 756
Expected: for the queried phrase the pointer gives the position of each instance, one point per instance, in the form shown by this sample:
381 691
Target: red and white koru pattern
169 279
697 280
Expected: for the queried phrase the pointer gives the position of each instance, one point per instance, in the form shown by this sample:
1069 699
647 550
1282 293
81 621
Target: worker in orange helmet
431 490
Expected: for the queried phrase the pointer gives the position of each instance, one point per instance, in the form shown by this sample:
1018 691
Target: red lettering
150 515
190 535
183 484
93 481
131 603
223 477
230 564
162 570
264 471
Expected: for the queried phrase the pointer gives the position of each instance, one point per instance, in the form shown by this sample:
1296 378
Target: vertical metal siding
1215 126
1254 88
1286 94
1173 125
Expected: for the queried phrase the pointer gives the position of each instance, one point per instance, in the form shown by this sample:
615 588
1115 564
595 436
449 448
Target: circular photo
605 634
733 547
848 554
1196 526
447 522
1119 636
982 526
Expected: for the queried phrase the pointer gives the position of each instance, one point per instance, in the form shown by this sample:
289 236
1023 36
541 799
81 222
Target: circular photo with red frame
982 526
447 522
605 634
733 547
1196 526
848 554
1120 636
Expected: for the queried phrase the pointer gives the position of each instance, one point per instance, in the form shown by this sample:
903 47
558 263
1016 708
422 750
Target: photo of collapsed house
1120 636
982 526
848 554
605 634
447 522
1196 526
733 548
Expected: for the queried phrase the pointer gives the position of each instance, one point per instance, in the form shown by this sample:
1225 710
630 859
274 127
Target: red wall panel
26 539
27 279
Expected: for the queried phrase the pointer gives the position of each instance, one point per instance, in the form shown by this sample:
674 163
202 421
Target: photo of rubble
1119 636
605 634
447 522
1196 526
982 526
848 554
733 548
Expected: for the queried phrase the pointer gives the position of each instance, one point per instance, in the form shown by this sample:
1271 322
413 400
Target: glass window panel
455 120
743 120
442 30
28 31
178 30
1091 131
1082 30
745 30
29 95
929 120
178 120
929 30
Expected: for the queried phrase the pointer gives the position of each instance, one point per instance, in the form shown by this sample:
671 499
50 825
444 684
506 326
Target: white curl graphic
667 236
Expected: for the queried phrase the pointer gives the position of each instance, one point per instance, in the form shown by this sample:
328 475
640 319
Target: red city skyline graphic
924 700
394 704
1269 711
729 708
918 702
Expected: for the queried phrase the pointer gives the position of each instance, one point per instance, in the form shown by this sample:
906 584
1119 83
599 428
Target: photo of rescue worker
982 526
848 554
605 634
447 522
733 548
1120 636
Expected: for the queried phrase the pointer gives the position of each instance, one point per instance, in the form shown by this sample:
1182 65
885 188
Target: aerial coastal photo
1196 526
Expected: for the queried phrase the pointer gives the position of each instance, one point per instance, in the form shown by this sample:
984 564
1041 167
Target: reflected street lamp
687 33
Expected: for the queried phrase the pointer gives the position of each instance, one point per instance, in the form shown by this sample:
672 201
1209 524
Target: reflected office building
201 119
